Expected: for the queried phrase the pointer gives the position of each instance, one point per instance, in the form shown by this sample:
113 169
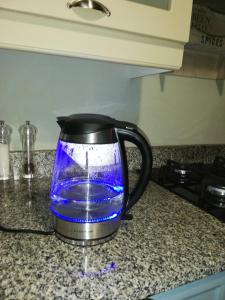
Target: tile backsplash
44 159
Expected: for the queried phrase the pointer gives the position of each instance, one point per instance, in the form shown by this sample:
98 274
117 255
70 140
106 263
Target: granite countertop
168 243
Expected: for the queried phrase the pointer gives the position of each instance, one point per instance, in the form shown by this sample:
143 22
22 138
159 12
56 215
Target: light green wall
182 111
40 87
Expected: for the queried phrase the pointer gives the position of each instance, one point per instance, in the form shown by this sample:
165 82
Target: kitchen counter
168 243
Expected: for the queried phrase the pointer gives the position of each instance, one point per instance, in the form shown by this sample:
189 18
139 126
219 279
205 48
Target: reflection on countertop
25 204
168 243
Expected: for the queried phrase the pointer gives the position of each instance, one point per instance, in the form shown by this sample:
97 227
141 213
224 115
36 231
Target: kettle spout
61 121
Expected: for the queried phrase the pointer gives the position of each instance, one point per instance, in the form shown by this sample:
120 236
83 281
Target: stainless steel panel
85 231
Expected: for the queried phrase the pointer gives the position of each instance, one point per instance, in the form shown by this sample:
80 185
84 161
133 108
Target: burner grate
213 190
180 173
218 166
201 184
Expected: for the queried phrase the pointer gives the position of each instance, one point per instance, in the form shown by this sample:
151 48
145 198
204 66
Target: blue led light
76 220
118 188
68 185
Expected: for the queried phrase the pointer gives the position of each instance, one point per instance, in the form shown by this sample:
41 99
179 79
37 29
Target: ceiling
217 5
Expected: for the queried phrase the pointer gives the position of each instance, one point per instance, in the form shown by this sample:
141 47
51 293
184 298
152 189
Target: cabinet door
167 19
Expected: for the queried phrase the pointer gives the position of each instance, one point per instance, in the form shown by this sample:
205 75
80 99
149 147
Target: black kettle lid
78 124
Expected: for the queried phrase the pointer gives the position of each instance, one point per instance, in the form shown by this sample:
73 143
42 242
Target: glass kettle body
89 191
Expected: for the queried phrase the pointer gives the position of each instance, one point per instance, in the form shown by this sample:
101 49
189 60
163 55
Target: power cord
10 230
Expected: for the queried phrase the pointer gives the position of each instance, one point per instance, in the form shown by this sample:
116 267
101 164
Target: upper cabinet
148 33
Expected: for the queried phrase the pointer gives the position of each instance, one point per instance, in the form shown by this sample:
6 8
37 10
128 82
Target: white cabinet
146 32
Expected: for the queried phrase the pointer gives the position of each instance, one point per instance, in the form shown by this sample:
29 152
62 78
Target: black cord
10 230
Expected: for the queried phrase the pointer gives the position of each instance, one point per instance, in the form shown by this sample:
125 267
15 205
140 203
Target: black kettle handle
130 132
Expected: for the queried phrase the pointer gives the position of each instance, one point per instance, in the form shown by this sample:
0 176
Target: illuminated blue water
87 201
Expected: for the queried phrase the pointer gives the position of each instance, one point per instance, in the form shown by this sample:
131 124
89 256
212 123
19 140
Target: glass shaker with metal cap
5 132
28 136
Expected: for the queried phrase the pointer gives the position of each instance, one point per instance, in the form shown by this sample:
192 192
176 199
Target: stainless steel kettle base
85 243
85 234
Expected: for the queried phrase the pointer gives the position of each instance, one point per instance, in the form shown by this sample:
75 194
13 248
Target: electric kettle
89 191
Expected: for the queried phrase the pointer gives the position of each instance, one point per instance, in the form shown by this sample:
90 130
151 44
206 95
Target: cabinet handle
90 4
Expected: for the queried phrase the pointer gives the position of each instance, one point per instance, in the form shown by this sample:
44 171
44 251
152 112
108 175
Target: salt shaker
28 136
5 132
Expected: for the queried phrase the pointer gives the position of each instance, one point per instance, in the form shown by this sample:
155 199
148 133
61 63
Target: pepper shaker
5 131
28 136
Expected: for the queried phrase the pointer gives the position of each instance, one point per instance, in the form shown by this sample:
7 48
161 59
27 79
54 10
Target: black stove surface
201 184
189 192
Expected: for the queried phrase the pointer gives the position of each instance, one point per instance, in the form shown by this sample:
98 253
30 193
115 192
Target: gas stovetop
201 184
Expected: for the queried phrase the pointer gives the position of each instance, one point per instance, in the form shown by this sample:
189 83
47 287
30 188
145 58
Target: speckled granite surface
44 159
168 243
43 162
191 153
